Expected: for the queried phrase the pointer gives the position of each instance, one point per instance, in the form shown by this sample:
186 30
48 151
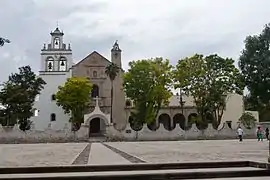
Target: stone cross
97 99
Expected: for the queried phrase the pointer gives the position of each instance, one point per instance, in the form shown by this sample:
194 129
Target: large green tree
208 80
74 98
112 70
147 83
18 96
254 63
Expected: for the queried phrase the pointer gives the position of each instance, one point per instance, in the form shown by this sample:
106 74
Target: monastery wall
15 135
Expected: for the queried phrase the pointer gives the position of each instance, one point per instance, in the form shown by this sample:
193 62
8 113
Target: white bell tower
56 63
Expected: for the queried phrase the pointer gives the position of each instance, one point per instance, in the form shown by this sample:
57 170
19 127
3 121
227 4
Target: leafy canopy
112 70
74 98
208 80
254 63
248 120
147 83
18 96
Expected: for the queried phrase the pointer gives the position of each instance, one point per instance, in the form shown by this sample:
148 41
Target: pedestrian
267 133
259 134
240 133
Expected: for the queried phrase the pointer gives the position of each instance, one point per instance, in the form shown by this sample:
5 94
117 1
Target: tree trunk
111 119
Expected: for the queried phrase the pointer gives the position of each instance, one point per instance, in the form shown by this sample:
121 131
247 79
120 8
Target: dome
57 32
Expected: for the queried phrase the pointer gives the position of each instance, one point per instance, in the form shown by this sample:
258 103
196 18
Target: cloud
145 28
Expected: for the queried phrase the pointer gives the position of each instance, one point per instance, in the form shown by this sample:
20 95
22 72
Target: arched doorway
192 119
165 120
179 119
94 126
97 127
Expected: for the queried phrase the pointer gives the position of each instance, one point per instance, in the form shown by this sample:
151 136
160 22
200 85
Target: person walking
267 133
259 134
240 133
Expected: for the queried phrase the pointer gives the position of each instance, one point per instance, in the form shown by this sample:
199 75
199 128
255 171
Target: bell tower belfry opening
56 56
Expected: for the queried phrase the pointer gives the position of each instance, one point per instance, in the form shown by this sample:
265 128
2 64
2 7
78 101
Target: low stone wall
15 135
145 134
12 135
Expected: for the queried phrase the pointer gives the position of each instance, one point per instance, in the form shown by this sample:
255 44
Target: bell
50 65
62 63
56 43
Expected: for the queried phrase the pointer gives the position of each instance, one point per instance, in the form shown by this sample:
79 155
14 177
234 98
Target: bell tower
116 54
118 92
55 68
56 56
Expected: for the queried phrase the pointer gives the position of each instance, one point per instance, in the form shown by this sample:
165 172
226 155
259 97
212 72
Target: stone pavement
39 154
132 152
102 155
196 151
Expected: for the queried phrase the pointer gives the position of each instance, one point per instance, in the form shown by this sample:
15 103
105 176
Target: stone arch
101 116
179 119
95 91
210 119
62 66
191 119
153 126
49 65
97 125
165 119
135 127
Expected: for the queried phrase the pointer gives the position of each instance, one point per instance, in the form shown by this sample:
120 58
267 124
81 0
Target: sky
171 29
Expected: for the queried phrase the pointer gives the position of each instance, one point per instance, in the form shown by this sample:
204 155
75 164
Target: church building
57 65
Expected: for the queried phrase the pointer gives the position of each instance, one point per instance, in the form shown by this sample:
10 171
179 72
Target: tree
74 98
248 120
18 96
254 64
208 80
147 84
3 41
112 70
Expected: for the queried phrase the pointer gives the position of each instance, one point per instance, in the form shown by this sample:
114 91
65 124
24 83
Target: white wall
46 106
234 109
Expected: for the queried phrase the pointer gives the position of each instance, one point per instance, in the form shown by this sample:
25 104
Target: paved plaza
131 152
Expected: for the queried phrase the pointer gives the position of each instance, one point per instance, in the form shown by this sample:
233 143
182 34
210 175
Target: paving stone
100 154
39 154
195 151
150 152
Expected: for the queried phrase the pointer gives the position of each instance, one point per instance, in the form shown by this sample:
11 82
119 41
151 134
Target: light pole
182 103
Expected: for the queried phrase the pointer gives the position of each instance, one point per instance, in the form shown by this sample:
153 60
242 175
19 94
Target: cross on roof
97 99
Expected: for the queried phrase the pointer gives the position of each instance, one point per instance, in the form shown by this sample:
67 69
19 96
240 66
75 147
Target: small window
53 97
229 123
95 91
53 117
95 74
